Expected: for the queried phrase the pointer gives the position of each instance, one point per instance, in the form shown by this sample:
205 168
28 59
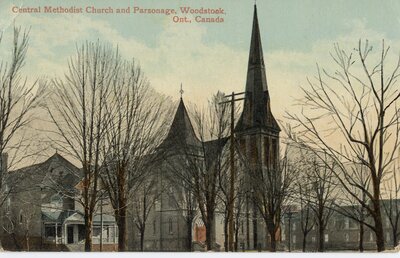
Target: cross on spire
181 91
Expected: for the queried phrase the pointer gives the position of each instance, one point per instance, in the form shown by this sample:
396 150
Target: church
257 135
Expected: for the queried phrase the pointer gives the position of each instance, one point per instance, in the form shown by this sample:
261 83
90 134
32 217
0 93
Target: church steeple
257 111
256 58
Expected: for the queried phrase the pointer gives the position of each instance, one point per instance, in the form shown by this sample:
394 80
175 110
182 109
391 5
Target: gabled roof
213 148
257 111
35 175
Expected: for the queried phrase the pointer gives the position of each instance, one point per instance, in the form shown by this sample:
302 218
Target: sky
206 57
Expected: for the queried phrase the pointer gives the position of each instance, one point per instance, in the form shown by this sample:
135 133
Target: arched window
170 226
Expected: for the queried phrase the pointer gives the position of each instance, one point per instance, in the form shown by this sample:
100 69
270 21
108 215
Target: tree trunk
361 241
304 241
88 231
236 241
380 239
209 231
255 233
16 242
122 234
272 241
321 241
27 242
142 239
394 238
189 234
121 222
226 244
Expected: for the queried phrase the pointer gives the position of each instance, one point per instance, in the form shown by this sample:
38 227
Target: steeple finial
181 91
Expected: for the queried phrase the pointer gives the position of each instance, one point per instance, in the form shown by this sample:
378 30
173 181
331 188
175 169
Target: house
342 232
42 212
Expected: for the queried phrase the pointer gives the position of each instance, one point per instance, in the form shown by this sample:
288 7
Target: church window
346 223
266 151
347 237
294 239
170 226
274 153
21 217
254 151
326 238
171 200
371 236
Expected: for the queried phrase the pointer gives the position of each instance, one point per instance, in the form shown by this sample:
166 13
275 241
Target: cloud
181 54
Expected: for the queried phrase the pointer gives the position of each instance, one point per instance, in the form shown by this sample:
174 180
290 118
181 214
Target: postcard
199 126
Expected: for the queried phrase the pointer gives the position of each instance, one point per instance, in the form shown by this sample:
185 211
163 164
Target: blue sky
288 24
208 57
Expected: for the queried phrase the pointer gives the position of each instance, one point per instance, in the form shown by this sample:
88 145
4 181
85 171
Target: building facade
342 232
42 213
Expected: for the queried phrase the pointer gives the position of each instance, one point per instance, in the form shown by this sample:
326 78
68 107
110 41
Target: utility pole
232 169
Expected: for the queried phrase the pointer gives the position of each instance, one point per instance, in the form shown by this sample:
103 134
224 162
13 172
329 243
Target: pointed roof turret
257 111
181 130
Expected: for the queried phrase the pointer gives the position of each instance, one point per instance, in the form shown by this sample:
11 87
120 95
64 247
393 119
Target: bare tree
272 189
185 201
20 226
18 100
367 120
224 195
347 206
321 180
143 200
204 160
136 128
239 205
78 111
307 220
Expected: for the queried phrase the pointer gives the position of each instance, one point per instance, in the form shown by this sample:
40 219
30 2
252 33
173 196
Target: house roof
40 174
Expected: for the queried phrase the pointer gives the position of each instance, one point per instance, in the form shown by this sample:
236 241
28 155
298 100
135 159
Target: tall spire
257 110
256 79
